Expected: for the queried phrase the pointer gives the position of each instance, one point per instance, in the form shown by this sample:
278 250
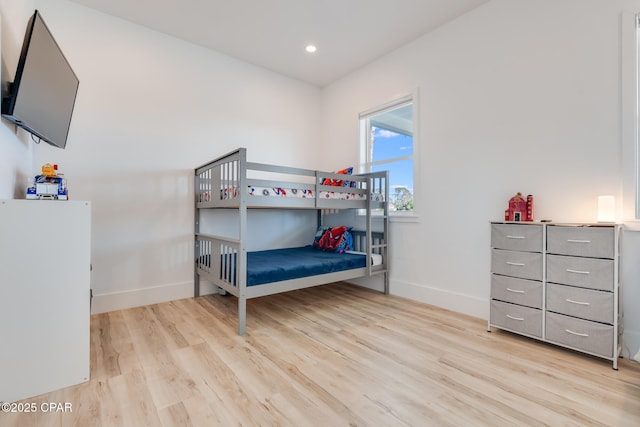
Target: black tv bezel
9 102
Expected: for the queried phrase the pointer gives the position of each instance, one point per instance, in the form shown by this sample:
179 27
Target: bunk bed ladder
384 246
378 183
368 223
386 228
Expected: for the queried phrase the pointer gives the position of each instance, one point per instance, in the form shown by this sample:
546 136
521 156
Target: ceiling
273 33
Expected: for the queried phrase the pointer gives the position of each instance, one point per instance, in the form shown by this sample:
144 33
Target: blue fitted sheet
293 263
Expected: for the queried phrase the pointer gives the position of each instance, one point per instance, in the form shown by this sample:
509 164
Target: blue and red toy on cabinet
49 185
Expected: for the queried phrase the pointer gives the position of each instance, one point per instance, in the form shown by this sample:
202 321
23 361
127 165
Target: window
630 97
636 141
387 143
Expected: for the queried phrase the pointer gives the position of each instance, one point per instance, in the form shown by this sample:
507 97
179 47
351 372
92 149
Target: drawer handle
576 333
515 237
517 264
577 271
577 302
578 241
515 318
517 291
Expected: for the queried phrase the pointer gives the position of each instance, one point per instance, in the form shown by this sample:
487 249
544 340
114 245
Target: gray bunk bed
231 182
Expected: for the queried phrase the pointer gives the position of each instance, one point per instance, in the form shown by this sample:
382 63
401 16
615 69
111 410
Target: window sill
404 218
396 218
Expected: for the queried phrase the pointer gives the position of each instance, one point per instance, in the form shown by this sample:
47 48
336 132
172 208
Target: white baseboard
103 303
631 344
461 303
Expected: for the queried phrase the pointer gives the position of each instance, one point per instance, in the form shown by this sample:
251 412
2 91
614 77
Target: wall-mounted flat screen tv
43 93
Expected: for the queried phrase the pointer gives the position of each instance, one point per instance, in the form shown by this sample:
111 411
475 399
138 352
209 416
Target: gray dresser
557 283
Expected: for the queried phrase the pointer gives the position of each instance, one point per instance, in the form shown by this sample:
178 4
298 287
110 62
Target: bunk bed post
242 251
196 249
386 232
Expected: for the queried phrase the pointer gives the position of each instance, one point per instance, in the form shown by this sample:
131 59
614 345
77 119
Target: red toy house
520 209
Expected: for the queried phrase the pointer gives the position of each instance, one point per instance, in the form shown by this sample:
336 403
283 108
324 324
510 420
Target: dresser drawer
515 237
579 334
525 265
596 242
517 291
516 318
592 273
583 303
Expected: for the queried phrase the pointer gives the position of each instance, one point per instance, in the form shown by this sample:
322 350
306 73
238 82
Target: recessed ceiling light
310 48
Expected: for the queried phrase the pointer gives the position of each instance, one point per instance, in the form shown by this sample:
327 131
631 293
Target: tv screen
43 93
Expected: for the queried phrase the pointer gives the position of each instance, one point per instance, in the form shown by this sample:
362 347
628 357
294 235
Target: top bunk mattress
306 193
299 193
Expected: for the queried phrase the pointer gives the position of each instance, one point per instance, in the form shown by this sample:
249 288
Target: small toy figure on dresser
520 209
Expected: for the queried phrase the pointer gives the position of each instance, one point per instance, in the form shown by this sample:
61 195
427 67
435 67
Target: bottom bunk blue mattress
276 265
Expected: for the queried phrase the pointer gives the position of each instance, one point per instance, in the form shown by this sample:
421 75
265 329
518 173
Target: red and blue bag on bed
336 239
340 182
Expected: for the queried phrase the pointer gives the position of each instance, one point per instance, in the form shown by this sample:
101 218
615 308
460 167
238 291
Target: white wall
516 95
151 108
15 147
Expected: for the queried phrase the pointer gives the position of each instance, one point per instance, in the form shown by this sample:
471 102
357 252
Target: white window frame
635 157
365 147
630 108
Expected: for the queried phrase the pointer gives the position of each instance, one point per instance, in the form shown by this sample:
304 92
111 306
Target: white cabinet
558 283
45 251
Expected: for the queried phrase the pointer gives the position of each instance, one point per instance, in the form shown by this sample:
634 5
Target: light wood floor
335 355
